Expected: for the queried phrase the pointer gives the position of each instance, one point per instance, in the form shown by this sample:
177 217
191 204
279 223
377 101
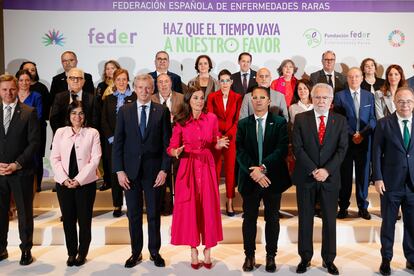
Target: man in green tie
262 143
393 173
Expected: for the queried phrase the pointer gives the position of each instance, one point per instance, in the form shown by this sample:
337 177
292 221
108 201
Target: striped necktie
7 118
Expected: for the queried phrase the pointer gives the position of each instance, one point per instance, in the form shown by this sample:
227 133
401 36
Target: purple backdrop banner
212 6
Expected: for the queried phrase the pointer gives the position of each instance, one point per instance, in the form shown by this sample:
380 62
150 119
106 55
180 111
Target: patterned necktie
322 129
330 80
407 137
356 104
7 118
74 97
260 139
143 122
244 83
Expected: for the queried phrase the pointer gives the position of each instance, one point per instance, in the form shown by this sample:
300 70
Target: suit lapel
268 135
313 126
151 119
329 126
1 119
218 98
251 130
133 113
397 130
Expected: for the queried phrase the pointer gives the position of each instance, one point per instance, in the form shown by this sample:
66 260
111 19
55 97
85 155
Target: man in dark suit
245 79
76 82
162 62
393 173
262 144
19 141
59 84
357 105
139 157
320 141
173 100
328 74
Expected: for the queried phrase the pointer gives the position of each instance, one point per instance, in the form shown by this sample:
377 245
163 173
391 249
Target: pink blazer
88 154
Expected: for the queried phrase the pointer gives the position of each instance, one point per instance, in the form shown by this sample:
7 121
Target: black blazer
377 84
319 77
175 79
22 140
131 152
237 85
275 148
108 113
310 155
392 163
60 84
60 105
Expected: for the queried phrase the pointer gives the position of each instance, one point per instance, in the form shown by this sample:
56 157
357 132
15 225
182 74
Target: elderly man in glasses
75 92
328 74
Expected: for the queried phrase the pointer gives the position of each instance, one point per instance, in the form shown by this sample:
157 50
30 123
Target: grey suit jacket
383 105
277 105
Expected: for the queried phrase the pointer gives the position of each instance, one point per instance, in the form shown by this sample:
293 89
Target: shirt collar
12 105
332 73
400 119
139 104
317 115
358 90
264 117
127 93
247 72
304 106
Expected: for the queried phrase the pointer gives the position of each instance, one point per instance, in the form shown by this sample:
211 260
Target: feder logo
53 38
111 38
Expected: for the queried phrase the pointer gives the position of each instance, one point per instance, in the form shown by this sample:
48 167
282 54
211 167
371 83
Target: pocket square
368 105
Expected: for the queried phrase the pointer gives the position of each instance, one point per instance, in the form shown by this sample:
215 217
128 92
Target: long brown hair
185 111
386 87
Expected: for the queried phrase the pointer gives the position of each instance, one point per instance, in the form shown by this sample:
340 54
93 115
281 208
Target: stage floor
352 260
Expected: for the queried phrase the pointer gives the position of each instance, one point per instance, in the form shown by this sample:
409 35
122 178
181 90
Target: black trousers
251 205
390 204
76 206
134 200
117 191
306 196
22 188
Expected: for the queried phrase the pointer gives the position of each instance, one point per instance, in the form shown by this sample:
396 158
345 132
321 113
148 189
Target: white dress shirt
401 124
318 120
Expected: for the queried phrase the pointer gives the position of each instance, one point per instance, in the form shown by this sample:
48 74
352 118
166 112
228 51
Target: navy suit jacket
319 77
344 104
131 152
392 163
175 79
237 85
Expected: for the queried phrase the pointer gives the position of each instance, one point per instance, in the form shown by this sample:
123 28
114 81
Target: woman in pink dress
197 202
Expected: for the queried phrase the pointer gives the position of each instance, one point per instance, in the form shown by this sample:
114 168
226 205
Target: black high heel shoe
229 214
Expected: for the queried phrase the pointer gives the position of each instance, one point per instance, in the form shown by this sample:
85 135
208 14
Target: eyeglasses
402 103
162 59
225 81
67 60
76 79
80 113
329 59
319 98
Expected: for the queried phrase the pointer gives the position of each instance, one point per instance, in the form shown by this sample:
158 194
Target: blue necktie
143 122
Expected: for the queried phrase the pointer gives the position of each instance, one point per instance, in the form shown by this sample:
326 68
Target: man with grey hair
328 74
277 99
393 173
162 62
319 143
357 105
75 92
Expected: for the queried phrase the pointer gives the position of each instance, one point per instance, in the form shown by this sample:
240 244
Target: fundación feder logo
53 38
313 37
396 38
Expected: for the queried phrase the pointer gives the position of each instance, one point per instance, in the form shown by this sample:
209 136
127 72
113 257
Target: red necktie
322 129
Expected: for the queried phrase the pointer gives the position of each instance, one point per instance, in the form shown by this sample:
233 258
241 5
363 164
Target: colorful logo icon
53 38
313 37
396 38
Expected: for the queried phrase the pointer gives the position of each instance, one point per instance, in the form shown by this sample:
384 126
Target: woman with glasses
204 80
384 98
75 156
226 104
111 105
286 82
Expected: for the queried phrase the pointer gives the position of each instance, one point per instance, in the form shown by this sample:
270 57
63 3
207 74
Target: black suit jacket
319 77
22 139
108 113
131 152
392 163
237 85
175 79
60 84
310 155
60 107
275 147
